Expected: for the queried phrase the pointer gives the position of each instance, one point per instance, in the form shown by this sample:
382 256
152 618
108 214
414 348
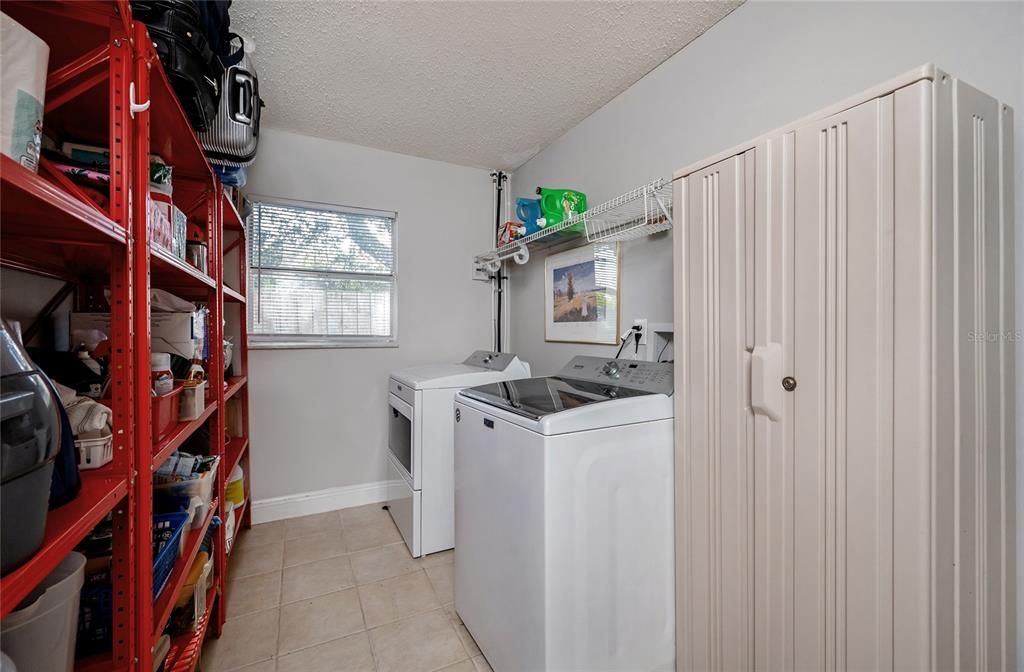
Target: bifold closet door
842 406
714 423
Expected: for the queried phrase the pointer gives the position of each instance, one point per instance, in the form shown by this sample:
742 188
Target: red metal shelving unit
232 254
51 228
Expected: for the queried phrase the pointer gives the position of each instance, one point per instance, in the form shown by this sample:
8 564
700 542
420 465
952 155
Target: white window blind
319 274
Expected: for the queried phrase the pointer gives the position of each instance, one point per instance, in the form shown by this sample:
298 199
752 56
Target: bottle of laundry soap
529 213
557 205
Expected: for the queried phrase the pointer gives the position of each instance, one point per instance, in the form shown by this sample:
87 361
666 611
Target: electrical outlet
643 330
480 273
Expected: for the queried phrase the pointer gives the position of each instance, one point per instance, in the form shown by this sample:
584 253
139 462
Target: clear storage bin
201 487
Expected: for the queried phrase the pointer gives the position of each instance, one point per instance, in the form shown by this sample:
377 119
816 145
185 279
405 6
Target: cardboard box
186 349
178 333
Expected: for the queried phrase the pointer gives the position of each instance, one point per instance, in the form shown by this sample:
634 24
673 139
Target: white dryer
420 443
564 518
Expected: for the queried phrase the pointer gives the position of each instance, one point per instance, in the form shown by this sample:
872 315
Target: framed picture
581 295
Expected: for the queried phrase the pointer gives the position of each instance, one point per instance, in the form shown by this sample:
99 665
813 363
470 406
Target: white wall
23 295
764 65
318 417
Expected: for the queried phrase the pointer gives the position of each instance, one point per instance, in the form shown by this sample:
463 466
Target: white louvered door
714 477
842 345
845 431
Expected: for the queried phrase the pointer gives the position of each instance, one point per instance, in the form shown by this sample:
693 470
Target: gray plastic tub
41 634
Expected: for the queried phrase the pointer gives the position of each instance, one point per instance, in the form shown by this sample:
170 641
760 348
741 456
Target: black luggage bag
193 67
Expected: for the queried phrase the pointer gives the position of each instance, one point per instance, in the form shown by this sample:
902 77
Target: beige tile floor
339 592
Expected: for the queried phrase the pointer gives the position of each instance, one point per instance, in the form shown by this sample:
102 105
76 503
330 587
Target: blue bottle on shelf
529 213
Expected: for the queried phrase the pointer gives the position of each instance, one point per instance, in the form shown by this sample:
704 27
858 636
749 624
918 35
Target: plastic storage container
193 401
31 439
41 634
201 487
95 619
168 537
94 453
165 413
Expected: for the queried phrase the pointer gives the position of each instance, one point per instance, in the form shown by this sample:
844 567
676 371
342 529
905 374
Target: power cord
636 331
663 349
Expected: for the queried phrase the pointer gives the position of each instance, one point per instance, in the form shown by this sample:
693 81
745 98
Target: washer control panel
493 361
653 377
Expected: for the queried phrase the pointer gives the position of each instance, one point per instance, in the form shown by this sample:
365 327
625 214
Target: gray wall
764 65
318 416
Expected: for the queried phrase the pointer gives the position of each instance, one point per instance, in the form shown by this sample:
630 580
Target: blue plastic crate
167 531
95 619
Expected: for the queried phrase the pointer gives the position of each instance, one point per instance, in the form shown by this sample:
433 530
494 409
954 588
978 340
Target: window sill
318 345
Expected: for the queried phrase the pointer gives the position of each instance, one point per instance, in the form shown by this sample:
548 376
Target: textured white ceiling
481 83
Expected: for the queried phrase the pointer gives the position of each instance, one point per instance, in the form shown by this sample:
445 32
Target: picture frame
581 295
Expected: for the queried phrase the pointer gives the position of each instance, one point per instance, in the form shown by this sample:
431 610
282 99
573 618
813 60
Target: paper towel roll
23 60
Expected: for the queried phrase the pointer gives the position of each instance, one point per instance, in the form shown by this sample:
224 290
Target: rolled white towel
89 419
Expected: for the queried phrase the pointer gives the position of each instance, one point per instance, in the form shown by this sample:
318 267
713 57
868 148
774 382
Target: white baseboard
319 501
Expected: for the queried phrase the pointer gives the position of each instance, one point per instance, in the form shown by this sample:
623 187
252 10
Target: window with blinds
320 274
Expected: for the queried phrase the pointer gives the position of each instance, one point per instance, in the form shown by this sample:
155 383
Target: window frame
258 341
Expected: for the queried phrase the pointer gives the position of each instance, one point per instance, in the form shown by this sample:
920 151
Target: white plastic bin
193 401
93 453
41 636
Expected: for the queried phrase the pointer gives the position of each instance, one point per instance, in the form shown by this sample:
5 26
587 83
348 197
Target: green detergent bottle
559 204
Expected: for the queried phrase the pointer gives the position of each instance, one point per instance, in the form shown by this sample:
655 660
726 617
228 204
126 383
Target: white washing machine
564 518
420 443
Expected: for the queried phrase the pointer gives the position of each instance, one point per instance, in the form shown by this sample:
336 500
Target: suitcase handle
243 113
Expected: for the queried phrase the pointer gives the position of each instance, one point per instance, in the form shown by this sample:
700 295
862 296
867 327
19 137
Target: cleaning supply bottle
559 204
529 213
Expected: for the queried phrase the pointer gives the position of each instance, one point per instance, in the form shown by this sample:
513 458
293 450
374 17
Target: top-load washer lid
579 397
537 397
479 368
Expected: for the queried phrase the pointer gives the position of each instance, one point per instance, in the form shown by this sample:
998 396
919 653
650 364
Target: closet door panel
774 578
982 447
843 344
912 379
714 432
809 405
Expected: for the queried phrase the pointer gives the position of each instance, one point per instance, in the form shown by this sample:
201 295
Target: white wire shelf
641 212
